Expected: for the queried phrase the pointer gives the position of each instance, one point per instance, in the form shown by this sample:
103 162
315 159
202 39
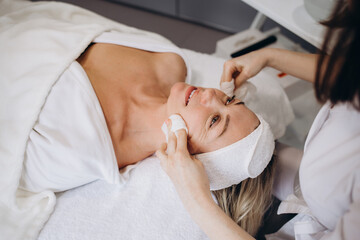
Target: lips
188 93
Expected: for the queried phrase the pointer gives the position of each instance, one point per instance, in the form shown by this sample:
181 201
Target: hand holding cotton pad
240 93
177 123
230 165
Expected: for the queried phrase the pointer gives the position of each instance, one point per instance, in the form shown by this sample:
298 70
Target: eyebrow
228 120
225 125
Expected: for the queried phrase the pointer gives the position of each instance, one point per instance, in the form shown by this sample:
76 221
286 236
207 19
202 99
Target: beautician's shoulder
346 118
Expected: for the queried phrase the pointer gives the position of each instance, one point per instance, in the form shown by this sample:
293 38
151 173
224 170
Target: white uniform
329 177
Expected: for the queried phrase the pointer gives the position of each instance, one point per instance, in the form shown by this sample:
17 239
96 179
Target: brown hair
247 202
338 74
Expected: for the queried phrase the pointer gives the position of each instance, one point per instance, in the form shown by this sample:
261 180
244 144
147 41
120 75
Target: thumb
161 154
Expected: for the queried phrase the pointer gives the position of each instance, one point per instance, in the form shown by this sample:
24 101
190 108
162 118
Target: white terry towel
146 207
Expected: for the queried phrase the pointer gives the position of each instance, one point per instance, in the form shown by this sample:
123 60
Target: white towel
38 41
146 207
246 158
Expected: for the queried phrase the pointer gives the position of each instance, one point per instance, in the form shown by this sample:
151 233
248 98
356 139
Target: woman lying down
107 110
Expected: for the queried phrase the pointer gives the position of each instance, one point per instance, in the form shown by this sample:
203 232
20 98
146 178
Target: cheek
176 99
194 123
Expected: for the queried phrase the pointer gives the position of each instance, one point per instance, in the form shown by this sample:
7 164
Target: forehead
242 122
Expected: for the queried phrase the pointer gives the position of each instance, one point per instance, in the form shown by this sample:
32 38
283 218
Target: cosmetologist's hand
192 184
244 67
185 171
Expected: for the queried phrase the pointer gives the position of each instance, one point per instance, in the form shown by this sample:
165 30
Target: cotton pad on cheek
177 123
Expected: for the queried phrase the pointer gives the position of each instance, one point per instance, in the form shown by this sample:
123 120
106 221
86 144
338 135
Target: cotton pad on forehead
177 123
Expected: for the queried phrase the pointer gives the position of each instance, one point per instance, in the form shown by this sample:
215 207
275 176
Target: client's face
213 119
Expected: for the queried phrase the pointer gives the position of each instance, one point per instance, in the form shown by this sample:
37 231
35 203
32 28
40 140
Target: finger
228 70
240 79
226 75
182 140
172 141
162 150
161 154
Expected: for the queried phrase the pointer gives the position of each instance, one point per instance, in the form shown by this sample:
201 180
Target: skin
206 114
138 90
300 65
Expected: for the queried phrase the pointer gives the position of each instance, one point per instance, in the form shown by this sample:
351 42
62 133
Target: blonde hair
247 202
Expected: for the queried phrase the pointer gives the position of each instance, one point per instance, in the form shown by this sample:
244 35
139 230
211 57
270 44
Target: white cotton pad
177 123
246 158
240 93
228 88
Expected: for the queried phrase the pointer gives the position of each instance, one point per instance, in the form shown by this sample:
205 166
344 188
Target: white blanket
38 41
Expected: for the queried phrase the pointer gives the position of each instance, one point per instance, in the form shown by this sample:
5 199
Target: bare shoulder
171 68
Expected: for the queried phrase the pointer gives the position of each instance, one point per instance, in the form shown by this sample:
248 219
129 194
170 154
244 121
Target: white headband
246 158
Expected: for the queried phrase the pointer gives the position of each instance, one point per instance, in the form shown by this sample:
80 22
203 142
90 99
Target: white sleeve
348 226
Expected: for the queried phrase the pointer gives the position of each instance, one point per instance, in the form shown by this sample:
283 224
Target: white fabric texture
331 159
246 158
147 207
38 41
70 144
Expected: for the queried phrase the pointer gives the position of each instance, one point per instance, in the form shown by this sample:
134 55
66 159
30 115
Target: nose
207 96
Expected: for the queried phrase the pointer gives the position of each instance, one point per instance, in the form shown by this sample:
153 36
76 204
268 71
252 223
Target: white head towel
246 158
232 164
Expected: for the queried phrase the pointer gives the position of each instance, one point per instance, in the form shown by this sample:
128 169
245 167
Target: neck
142 135
147 129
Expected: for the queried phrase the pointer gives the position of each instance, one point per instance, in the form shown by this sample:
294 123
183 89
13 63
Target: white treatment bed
38 42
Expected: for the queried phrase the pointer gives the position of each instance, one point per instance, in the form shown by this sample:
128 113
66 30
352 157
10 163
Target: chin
174 102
